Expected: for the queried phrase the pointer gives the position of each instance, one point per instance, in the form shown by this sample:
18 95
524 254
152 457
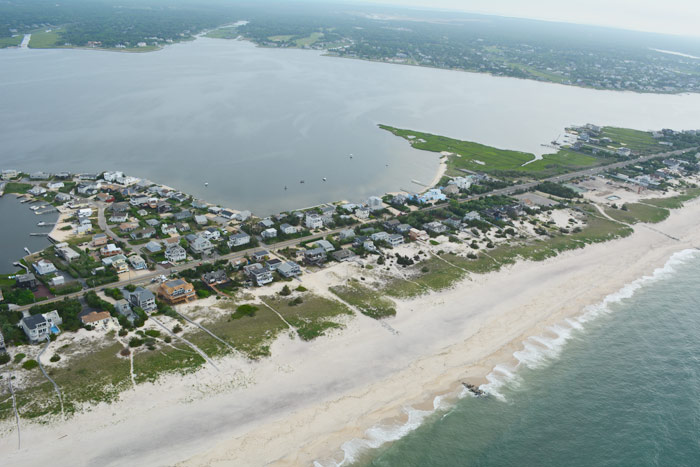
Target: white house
362 213
313 221
85 212
288 229
238 239
43 267
375 203
55 185
168 229
269 233
137 262
175 253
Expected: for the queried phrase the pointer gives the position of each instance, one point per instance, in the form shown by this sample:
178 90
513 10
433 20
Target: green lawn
637 212
503 162
280 38
44 40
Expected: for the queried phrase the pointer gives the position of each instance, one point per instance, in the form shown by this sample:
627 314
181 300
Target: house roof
94 316
33 321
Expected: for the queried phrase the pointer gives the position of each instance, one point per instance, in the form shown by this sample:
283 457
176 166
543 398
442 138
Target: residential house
395 240
269 233
128 226
369 245
62 197
183 215
343 255
110 250
242 216
266 223
289 229
137 262
163 206
175 253
325 244
624 152
313 221
201 220
289 269
168 229
435 227
450 190
471 216
55 185
212 234
142 298
147 232
66 252
36 327
153 246
95 318
362 213
462 183
346 234
315 255
177 291
399 200
153 223
120 265
402 229
215 277
433 194
238 239
123 308
99 239
43 267
416 234
200 245
390 226
260 255
26 281
375 203
261 275
379 237
37 190
56 281
273 264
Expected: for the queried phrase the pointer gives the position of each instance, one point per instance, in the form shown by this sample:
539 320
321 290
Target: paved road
293 242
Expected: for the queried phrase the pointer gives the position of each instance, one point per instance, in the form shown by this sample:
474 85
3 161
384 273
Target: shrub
424 269
135 342
55 357
245 310
30 364
168 339
123 332
125 352
285 291
301 288
177 328
152 333
296 301
19 357
4 358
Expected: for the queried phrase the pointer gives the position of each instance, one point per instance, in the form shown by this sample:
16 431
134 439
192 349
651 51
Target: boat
206 183
285 188
324 179
301 181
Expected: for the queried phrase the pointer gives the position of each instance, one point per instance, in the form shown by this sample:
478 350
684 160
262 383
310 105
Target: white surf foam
536 352
539 350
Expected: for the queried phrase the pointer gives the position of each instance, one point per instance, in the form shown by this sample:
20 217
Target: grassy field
675 202
312 317
502 162
250 335
309 40
11 41
230 32
637 141
280 38
44 40
14 187
637 212
369 302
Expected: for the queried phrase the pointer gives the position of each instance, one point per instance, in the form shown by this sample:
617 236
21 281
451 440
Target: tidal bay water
623 390
17 221
250 121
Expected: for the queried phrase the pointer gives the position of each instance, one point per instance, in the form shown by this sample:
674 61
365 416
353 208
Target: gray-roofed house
315 255
289 269
238 239
123 308
143 298
343 255
36 327
153 246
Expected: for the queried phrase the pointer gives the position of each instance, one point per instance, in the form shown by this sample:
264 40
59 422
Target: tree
285 291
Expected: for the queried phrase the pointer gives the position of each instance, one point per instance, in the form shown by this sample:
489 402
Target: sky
679 17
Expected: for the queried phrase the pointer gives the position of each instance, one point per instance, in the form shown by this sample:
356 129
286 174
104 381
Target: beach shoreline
307 400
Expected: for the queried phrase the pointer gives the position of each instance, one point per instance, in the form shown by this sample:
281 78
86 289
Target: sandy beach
307 400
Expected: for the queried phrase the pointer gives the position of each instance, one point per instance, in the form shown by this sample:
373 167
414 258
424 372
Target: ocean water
619 386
